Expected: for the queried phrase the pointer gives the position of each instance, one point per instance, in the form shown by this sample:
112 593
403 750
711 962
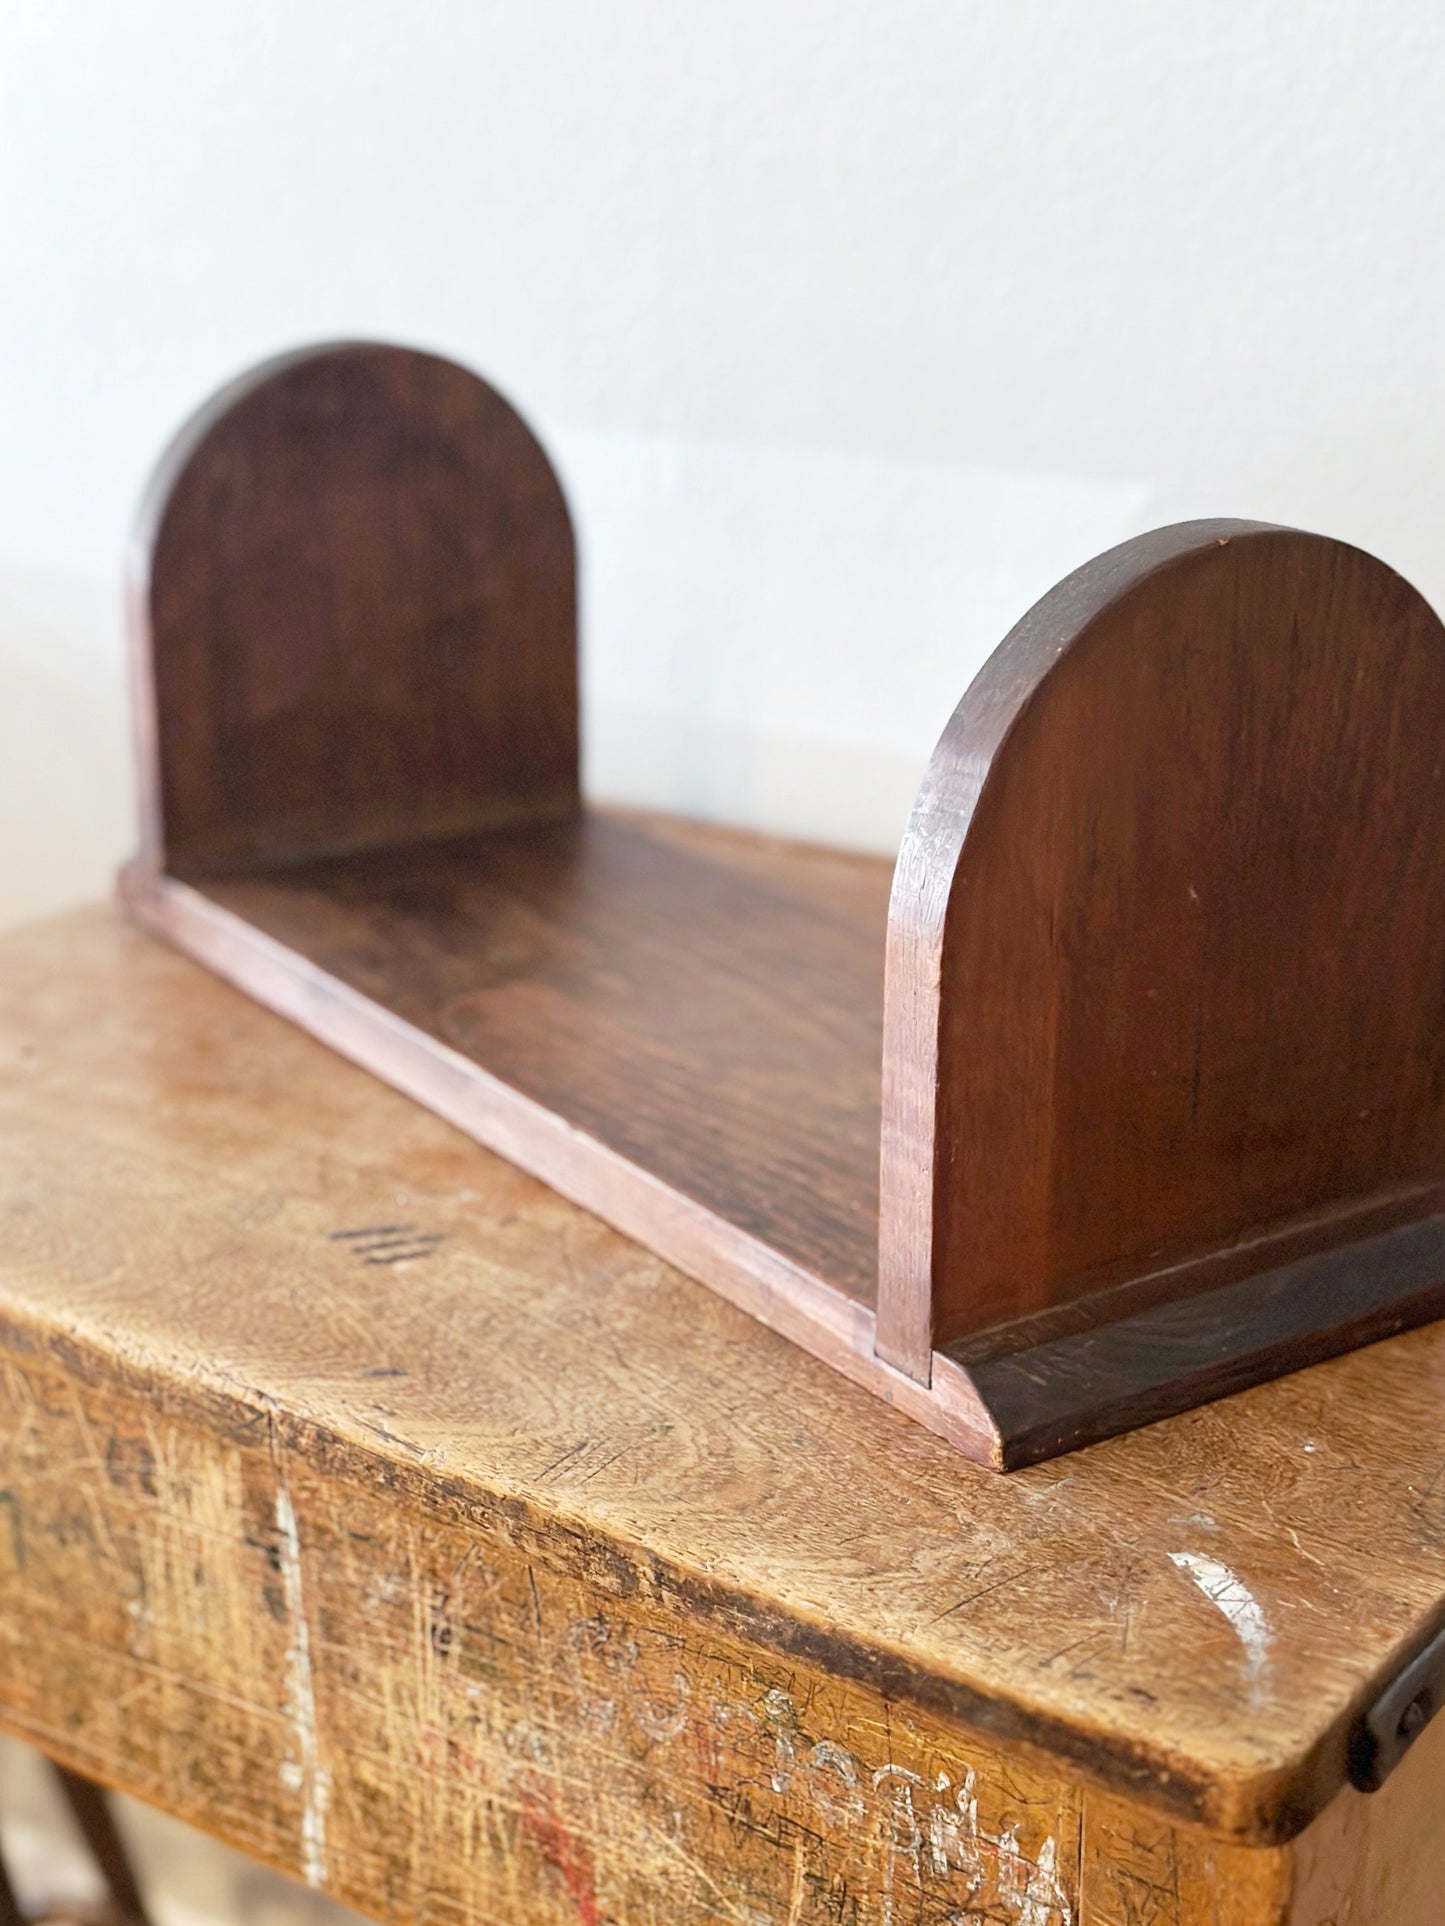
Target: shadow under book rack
1125 1088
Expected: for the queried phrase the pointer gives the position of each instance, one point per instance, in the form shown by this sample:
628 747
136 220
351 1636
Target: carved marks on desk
1136 1870
783 1780
933 1854
388 1243
629 1765
435 1707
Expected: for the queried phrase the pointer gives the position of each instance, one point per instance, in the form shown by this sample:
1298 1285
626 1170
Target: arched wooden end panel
353 616
1165 995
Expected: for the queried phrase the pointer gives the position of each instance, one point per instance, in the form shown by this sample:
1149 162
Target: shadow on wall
67 810
771 637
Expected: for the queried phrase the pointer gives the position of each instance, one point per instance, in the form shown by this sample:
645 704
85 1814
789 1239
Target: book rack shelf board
1124 1088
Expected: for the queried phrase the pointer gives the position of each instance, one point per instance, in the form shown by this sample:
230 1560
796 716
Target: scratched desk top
1193 1612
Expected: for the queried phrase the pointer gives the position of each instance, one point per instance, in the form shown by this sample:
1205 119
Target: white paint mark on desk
999 1879
305 1773
1233 1598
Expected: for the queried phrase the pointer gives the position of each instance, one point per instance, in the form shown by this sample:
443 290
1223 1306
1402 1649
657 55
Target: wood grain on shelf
288 948
716 1023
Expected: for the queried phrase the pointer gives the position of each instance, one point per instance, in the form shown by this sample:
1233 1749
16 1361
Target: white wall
852 326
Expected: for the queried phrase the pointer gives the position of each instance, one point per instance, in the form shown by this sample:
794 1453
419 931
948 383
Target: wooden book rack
1158 1073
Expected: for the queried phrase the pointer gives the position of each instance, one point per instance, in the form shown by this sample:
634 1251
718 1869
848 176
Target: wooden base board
680 1029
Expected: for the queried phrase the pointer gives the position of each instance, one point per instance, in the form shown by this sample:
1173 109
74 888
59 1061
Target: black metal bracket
1386 1731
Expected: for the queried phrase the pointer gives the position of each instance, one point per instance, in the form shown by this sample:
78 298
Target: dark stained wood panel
357 587
1167 950
708 1005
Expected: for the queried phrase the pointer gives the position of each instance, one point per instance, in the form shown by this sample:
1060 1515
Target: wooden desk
367 1504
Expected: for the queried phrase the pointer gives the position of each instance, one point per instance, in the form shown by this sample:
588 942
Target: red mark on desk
565 1852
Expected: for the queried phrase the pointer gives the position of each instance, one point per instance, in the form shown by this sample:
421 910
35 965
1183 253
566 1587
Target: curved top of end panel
353 614
1166 953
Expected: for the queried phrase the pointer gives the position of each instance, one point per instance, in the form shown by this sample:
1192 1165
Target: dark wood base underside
1113 1377
680 1029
